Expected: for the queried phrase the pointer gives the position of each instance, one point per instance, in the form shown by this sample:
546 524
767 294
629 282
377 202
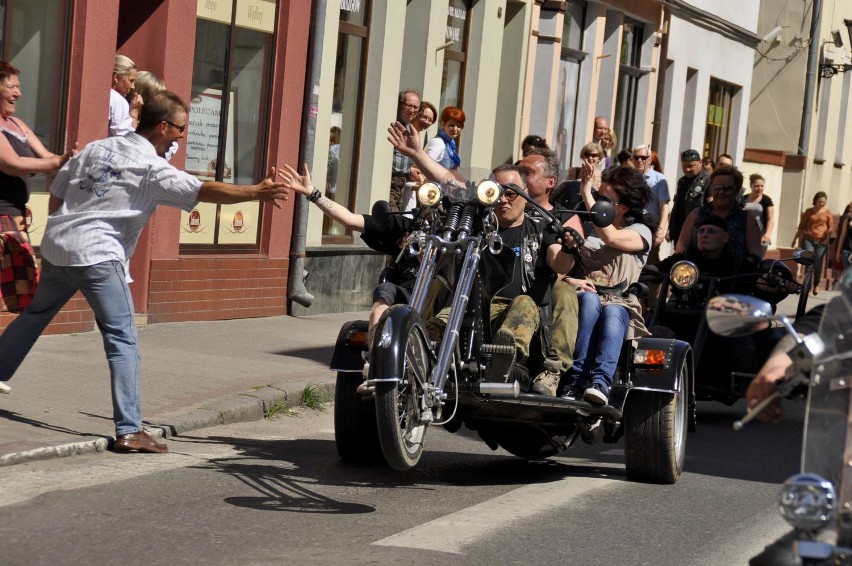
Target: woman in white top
123 116
442 148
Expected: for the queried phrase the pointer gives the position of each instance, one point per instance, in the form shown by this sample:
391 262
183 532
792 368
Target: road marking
453 532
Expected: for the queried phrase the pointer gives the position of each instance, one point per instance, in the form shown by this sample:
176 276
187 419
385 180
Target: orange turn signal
358 338
650 357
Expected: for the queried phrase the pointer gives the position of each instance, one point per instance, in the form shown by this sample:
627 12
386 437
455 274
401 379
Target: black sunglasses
175 126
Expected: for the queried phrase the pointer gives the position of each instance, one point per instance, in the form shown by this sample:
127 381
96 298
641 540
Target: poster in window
202 138
238 223
199 225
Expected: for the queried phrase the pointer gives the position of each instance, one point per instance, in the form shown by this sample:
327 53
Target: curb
243 407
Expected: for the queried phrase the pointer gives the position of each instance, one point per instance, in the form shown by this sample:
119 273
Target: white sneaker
4 388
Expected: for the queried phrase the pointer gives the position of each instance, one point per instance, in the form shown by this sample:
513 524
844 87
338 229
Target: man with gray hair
658 207
99 203
408 105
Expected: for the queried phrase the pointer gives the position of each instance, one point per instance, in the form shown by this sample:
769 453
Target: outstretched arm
226 193
303 185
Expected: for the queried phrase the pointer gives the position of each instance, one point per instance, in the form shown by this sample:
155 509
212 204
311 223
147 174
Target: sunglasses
641 157
175 126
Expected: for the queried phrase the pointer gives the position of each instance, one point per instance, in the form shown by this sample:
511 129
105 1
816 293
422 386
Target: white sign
202 138
350 6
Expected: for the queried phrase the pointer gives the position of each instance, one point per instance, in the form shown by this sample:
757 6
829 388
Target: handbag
18 272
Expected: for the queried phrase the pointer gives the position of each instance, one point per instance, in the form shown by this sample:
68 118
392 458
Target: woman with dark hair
767 207
426 116
531 142
612 259
443 147
814 231
726 182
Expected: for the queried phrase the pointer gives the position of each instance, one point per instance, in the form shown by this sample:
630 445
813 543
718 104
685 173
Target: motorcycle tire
355 432
655 426
401 430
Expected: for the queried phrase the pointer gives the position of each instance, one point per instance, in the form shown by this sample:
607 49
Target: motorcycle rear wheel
655 426
401 431
355 433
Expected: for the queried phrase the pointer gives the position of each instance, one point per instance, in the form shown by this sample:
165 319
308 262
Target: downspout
810 78
662 67
296 290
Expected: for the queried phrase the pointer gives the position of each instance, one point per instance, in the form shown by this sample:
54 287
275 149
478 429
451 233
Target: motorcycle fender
664 377
387 357
350 345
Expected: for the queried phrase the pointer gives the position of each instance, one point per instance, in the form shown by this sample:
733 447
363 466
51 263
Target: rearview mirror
603 213
738 315
380 211
804 257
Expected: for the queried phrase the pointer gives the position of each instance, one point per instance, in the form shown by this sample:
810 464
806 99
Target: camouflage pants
564 327
520 315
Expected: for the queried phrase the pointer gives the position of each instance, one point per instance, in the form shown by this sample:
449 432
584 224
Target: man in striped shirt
99 203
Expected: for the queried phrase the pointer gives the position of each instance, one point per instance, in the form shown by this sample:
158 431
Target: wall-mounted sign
216 10
256 14
350 6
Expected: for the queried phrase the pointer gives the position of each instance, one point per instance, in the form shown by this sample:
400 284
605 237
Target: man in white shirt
99 203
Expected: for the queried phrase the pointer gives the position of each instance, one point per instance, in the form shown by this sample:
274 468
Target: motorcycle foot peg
498 389
365 389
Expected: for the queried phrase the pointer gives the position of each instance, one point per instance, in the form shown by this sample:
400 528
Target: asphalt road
274 492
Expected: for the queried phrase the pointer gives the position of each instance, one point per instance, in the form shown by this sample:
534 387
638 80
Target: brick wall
75 317
216 288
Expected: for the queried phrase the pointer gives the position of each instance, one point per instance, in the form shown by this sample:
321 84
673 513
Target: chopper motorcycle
410 382
724 368
816 502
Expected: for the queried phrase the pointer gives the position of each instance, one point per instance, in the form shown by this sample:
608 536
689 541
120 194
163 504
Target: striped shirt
109 191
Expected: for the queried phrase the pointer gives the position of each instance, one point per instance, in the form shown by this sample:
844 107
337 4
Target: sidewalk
194 375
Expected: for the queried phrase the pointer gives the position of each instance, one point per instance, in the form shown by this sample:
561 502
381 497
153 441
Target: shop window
34 38
347 107
629 74
458 29
718 130
229 108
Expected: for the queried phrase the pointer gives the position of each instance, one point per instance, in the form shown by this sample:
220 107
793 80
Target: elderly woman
726 183
123 115
612 259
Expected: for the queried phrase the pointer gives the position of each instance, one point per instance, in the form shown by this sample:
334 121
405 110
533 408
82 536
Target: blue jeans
600 336
819 253
105 288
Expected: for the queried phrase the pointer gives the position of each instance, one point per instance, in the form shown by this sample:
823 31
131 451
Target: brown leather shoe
140 441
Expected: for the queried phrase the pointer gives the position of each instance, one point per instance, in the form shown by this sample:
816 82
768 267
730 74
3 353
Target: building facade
240 64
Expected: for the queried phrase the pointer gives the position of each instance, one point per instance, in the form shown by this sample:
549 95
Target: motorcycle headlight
488 192
808 502
429 194
684 274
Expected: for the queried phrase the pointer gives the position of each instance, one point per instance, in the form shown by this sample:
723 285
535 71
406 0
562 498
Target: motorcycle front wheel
401 430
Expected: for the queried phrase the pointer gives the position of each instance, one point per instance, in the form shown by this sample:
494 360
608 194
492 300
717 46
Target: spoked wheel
655 426
355 432
401 431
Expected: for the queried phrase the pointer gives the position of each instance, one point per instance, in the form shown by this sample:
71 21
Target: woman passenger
613 258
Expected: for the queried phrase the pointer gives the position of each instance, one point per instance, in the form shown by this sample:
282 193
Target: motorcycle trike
412 380
817 501
724 366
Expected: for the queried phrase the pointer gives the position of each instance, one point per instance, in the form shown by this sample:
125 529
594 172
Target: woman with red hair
443 148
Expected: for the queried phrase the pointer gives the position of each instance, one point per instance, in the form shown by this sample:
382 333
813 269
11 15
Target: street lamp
828 70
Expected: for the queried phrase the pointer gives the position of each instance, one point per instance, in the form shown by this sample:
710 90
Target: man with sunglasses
99 203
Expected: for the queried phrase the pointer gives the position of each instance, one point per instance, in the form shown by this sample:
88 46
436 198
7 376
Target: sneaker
4 388
597 394
500 366
546 383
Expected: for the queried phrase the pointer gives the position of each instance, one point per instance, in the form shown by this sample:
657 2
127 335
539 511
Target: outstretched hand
269 190
405 138
302 184
72 151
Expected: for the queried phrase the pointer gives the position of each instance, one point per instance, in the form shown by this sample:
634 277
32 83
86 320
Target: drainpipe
296 290
662 67
810 78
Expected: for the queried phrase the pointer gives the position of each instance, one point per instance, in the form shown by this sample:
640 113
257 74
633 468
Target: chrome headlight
488 192
429 194
807 501
684 274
